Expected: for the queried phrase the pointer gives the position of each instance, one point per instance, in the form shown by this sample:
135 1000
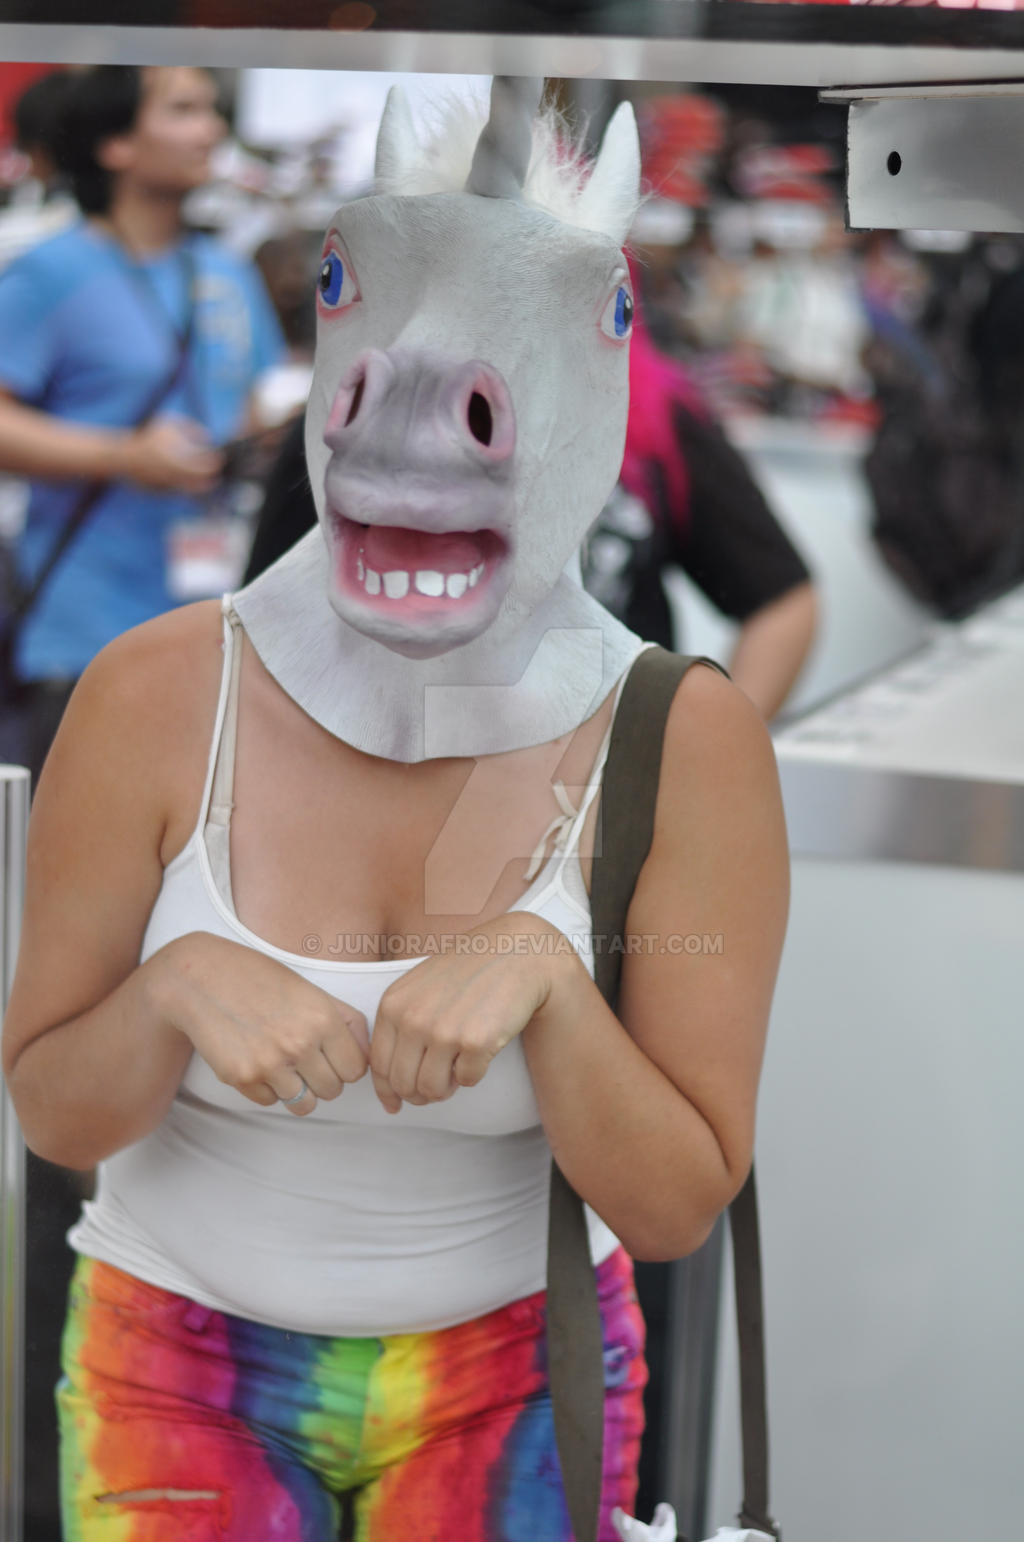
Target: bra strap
570 833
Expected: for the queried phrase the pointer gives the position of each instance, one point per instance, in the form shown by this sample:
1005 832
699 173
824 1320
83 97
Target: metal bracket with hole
935 158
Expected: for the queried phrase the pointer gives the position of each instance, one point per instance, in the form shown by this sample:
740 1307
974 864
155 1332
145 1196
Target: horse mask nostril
481 419
357 399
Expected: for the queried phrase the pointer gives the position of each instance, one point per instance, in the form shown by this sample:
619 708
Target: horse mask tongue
465 427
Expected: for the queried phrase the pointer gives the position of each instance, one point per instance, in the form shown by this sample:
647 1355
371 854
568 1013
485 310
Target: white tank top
349 1222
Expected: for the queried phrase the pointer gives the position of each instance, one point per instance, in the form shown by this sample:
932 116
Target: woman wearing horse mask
301 964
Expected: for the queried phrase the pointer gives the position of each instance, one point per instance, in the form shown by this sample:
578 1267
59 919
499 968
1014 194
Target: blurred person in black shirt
686 498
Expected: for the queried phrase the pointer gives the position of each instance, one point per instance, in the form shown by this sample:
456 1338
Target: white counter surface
953 708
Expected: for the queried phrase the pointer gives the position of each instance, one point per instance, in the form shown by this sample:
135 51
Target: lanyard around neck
181 336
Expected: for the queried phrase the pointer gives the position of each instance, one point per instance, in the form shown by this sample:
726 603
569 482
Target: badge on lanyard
206 557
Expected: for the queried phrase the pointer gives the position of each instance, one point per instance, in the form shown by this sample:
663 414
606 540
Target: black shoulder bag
575 1360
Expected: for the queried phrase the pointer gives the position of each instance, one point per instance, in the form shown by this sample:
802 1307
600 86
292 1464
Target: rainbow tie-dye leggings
182 1424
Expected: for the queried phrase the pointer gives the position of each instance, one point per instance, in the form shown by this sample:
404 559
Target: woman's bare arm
95 1044
652 1119
89 1063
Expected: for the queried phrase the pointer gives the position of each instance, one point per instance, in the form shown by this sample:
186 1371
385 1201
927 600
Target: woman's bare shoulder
718 791
142 714
167 664
716 745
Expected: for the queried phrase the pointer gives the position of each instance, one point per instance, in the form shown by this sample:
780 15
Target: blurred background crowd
894 353
824 450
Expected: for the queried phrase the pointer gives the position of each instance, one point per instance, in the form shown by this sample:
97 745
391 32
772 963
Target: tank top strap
218 797
222 753
228 624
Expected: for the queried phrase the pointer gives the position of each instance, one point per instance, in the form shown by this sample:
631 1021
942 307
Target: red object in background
679 136
14 78
795 173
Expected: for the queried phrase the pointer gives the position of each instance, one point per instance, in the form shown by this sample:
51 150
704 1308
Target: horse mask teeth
464 429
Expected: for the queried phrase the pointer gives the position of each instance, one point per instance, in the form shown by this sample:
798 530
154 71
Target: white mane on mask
557 179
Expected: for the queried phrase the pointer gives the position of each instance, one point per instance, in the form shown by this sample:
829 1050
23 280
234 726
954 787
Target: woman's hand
260 1027
439 1027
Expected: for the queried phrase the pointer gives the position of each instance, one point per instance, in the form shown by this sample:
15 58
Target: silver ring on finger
298 1097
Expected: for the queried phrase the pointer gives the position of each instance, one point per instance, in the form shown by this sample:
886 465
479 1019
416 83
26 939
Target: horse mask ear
398 152
501 159
608 202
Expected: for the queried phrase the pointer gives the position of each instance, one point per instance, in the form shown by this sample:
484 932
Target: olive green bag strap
575 1351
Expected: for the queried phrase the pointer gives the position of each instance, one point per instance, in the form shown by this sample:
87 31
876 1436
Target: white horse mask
465 427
